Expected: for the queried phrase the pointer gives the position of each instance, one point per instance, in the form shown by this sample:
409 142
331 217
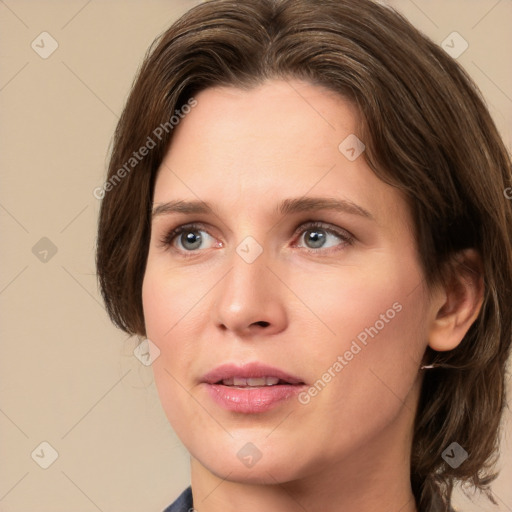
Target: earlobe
460 302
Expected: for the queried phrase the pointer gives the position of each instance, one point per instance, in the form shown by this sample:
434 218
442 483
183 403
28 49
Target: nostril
262 323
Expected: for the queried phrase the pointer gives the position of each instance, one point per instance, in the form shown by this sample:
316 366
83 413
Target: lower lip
252 400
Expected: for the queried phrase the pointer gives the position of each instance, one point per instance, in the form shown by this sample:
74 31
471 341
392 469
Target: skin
244 151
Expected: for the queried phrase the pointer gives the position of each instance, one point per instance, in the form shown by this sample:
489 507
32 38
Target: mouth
253 374
253 388
254 382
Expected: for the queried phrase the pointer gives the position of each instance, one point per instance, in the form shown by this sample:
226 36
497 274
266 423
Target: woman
305 215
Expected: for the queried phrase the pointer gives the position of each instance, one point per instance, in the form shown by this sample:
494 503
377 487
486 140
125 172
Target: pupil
316 238
192 238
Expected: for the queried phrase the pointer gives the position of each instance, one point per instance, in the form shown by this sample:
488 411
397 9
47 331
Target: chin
268 470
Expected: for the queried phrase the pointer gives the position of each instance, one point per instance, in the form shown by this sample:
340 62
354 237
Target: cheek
156 303
163 308
169 301
366 341
363 303
165 315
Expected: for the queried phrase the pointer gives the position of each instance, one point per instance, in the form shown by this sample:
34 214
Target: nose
249 299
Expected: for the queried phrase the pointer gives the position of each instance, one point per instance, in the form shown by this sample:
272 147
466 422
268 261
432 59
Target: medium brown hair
426 130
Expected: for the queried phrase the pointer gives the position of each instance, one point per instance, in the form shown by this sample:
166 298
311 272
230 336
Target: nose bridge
243 285
249 295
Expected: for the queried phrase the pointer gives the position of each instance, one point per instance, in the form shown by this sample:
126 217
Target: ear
458 302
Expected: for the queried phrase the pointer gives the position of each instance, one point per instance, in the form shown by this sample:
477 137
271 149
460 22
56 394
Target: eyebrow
286 207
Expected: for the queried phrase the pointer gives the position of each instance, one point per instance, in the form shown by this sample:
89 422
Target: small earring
427 366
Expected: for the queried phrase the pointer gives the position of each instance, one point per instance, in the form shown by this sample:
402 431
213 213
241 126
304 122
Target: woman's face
332 294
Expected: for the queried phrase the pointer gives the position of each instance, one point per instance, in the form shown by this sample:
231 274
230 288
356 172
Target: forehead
277 114
248 148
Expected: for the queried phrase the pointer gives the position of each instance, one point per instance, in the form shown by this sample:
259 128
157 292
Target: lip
251 400
254 369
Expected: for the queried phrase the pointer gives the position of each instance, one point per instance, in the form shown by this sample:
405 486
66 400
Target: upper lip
254 369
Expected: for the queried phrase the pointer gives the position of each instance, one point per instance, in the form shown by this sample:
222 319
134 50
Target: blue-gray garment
183 503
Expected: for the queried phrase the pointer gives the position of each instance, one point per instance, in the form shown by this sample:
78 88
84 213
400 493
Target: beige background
67 376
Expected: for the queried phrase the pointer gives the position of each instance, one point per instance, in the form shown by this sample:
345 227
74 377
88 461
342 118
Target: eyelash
347 239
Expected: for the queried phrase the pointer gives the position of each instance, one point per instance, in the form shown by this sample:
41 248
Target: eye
187 238
318 235
190 238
